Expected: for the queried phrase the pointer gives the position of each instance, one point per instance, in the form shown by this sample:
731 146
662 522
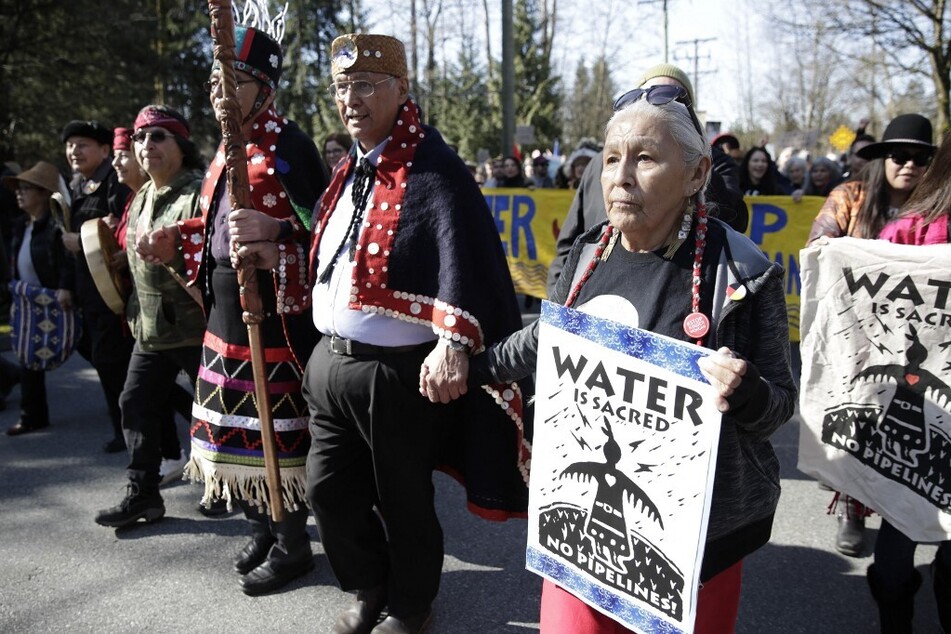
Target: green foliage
537 95
589 103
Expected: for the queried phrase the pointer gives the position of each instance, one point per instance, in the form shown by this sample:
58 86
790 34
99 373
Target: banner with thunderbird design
875 400
624 455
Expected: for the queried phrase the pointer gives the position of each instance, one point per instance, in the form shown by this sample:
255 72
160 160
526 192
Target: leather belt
351 348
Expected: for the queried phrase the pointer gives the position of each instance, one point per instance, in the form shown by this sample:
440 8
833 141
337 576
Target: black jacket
46 250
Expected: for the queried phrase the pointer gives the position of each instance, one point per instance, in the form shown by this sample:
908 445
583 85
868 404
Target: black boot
140 502
895 608
255 551
289 558
850 537
941 577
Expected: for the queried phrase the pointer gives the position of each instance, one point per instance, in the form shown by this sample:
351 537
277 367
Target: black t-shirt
650 292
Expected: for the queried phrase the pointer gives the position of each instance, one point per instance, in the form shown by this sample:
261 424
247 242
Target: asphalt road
60 572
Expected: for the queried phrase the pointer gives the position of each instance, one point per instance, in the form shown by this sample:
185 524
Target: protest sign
875 400
623 461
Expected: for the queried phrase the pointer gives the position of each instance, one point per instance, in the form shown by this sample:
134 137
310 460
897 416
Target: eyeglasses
361 88
658 96
901 157
212 84
157 136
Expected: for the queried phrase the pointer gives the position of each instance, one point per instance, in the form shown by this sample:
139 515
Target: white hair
677 120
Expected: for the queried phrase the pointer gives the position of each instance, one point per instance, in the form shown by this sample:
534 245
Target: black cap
89 129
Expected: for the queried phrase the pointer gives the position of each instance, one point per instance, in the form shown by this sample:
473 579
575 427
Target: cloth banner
529 221
624 455
42 334
875 402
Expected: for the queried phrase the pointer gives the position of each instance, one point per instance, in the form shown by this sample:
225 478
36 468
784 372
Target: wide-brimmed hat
89 129
43 174
905 129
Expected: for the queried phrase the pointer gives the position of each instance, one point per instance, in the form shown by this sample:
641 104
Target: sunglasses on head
158 136
658 96
900 157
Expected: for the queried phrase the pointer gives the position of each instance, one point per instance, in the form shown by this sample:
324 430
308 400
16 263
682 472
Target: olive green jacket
160 312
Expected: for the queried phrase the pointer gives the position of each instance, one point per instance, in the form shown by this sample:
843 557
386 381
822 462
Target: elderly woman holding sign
663 265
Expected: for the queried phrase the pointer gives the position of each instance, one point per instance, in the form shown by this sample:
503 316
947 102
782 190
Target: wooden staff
228 113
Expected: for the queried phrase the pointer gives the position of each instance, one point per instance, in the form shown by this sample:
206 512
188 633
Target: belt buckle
339 345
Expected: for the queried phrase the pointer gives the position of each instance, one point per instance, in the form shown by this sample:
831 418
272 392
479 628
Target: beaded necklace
696 324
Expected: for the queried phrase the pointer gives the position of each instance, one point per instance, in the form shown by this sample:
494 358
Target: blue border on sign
676 356
579 585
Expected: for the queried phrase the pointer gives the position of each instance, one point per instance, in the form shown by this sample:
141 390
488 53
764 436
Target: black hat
905 129
258 54
89 129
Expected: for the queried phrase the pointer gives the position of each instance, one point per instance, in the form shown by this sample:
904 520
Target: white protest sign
624 454
875 400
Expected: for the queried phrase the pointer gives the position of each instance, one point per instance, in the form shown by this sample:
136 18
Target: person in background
824 176
96 193
38 258
892 576
495 171
797 172
758 174
729 145
336 146
856 162
540 177
511 173
166 321
861 208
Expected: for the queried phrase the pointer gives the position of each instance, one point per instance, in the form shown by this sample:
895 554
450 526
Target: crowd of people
389 327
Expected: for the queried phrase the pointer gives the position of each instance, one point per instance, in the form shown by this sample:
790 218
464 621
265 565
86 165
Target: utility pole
664 8
508 78
695 58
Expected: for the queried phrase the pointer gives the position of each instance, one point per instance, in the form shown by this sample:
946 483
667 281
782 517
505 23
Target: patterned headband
150 116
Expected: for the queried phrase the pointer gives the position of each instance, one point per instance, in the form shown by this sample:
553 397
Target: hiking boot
138 504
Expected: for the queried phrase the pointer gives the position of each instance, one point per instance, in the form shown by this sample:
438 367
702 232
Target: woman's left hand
248 225
726 373
264 254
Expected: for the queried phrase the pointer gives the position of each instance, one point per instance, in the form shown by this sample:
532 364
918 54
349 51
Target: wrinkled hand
248 225
65 298
725 373
111 221
443 374
265 254
72 242
797 195
158 247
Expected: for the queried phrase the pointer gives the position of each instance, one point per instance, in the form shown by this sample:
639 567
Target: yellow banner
529 221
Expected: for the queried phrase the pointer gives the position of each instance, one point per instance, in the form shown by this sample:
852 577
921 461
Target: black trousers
895 557
147 417
34 409
106 346
374 441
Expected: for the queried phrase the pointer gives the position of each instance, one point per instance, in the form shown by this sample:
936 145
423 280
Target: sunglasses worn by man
158 136
658 96
901 157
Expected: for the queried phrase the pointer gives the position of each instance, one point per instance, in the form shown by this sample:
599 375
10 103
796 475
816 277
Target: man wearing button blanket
409 276
286 176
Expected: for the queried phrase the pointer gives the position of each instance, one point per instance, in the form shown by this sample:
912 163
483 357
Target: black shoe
850 536
409 625
24 428
363 614
215 508
274 574
115 445
253 554
136 505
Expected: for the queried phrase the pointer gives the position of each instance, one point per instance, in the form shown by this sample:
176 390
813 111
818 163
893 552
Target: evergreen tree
537 96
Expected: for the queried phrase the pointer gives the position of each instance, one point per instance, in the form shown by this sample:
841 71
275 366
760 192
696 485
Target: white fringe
231 482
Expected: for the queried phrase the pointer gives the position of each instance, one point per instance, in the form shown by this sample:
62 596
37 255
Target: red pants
717 605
